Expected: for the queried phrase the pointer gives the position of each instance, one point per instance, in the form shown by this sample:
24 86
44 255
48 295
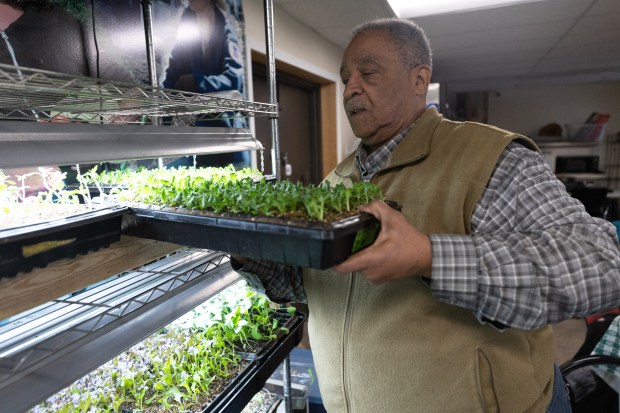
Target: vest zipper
345 343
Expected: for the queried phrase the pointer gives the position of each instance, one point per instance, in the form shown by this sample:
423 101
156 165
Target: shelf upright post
275 156
271 80
286 385
147 18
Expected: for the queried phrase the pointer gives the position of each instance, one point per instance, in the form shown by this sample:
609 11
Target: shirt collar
371 163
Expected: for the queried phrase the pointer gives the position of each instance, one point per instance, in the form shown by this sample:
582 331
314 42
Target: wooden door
299 125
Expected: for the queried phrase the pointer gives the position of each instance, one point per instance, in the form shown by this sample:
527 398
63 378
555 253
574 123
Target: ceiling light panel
409 9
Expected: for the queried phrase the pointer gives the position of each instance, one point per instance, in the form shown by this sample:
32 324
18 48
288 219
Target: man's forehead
366 59
366 48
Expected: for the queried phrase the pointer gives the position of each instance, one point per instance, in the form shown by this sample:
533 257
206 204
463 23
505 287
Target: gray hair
408 37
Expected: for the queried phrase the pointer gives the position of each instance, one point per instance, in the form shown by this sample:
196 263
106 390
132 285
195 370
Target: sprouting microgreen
176 368
36 196
243 192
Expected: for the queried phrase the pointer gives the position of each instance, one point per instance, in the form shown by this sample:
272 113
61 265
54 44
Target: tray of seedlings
314 226
103 182
202 362
265 359
37 228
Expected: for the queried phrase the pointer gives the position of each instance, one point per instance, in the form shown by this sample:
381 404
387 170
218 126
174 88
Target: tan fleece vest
392 347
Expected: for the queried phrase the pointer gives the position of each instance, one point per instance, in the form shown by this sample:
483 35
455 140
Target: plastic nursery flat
30 246
308 244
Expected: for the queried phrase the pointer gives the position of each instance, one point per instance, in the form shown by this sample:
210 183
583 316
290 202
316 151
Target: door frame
327 109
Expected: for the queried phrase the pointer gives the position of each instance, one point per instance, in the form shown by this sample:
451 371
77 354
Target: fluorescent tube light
417 8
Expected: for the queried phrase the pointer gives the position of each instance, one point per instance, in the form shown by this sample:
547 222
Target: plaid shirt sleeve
282 283
534 255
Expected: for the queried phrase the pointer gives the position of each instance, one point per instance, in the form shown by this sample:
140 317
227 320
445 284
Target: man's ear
423 75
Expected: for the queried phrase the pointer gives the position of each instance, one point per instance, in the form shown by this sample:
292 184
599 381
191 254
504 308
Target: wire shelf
50 346
40 95
612 161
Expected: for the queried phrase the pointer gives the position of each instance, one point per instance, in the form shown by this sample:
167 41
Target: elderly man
448 310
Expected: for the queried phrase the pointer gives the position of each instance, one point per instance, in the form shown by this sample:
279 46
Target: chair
594 199
588 393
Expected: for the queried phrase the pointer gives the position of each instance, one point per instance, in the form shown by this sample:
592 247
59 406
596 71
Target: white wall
527 110
520 110
300 46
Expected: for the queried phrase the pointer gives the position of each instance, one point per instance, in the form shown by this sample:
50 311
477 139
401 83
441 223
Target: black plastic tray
262 352
59 238
239 393
308 244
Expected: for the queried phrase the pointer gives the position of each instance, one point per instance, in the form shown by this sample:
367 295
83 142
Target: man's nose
353 87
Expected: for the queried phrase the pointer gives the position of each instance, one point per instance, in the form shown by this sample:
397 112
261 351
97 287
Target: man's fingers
374 208
352 263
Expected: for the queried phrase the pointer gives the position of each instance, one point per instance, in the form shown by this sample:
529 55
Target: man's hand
400 250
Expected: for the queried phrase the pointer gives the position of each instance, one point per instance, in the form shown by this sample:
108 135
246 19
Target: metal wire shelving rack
612 161
141 121
47 348
38 95
49 118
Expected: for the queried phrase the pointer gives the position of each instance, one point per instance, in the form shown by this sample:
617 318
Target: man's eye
345 81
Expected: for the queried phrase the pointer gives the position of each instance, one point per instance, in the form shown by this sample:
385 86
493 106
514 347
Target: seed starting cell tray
308 244
30 246
240 390
238 393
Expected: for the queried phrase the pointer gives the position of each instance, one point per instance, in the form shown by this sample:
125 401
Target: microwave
577 164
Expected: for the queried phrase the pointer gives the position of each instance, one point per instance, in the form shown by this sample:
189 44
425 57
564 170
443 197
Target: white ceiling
552 42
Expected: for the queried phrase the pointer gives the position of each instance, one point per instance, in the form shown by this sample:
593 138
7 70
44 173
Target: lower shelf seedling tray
30 246
237 394
240 390
308 244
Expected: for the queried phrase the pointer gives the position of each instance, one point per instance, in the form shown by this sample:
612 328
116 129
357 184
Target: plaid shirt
370 164
534 256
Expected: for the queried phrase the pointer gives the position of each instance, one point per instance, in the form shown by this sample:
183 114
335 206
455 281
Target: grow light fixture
408 8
